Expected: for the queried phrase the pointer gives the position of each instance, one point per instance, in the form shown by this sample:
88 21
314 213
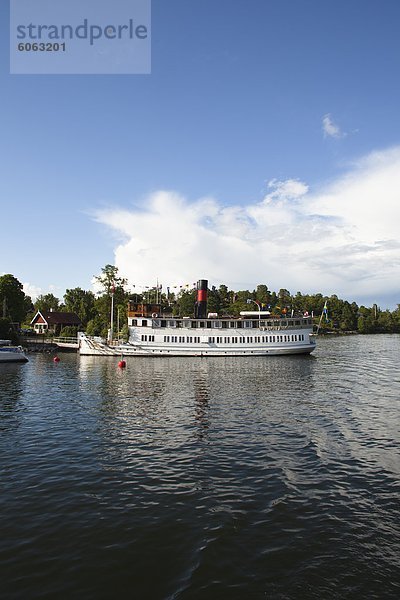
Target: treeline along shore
330 313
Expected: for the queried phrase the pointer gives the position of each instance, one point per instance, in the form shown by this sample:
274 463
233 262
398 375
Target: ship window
171 323
216 324
211 340
232 324
134 322
163 323
247 324
208 325
201 323
227 340
194 324
239 324
144 322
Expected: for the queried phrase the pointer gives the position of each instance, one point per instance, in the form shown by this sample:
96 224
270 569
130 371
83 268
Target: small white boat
9 353
253 333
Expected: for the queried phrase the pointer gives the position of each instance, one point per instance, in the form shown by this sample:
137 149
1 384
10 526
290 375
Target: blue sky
263 148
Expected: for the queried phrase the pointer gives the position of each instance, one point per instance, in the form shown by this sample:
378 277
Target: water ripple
184 479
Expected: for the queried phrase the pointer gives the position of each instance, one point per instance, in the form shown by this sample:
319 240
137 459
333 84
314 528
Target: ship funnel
200 307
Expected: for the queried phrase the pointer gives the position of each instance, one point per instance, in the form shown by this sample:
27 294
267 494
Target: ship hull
90 347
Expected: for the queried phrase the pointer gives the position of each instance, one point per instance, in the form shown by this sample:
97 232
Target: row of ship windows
216 324
261 339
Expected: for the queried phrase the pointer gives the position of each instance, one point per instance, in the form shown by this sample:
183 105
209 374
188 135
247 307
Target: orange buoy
122 364
56 359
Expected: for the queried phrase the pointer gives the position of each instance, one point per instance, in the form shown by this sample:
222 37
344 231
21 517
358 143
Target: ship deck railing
262 325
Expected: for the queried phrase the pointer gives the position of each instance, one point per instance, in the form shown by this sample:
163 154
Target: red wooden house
54 322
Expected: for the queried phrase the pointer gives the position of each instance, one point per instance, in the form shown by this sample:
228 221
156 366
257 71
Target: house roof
57 318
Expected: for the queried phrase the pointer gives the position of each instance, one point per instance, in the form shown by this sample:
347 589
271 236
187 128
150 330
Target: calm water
185 478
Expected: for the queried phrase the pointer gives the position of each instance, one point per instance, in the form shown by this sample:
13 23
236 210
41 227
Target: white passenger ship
254 333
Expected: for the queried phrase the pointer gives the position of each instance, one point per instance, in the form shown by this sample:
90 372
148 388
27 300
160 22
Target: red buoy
56 359
122 364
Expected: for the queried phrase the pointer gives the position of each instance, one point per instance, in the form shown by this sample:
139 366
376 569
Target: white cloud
330 128
342 239
32 290
35 291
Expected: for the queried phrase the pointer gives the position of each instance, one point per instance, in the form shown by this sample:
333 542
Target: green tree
185 303
225 298
12 299
112 285
285 300
69 331
366 321
7 331
396 318
46 302
97 326
263 295
348 318
214 302
81 303
386 322
110 280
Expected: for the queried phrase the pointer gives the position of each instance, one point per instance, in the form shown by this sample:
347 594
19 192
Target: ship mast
112 313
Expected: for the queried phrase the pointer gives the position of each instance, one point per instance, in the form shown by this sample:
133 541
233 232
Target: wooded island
332 313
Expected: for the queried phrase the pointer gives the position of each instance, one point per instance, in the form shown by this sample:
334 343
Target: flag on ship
325 310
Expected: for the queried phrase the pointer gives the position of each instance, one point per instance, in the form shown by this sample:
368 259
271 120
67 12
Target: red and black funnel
200 307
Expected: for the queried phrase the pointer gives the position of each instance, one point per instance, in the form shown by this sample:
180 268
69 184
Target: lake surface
189 478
